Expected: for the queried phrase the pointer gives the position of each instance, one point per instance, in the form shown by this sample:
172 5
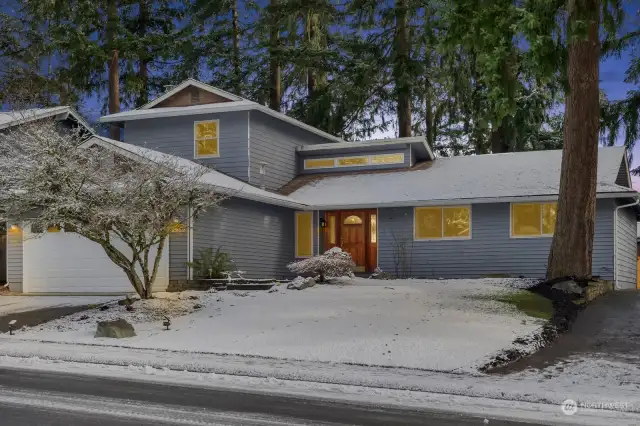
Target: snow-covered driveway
430 324
15 304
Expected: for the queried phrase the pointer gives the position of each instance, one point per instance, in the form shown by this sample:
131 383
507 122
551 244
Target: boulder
569 286
300 283
117 329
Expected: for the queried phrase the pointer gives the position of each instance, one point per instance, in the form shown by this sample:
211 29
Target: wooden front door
352 236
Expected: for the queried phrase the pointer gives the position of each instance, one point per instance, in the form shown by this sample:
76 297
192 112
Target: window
206 138
353 220
177 226
332 230
53 228
387 159
320 163
533 219
353 161
374 228
435 223
304 234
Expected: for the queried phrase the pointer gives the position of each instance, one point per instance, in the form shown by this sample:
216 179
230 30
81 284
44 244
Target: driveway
607 329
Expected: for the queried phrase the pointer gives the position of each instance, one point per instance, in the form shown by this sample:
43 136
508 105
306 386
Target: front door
352 236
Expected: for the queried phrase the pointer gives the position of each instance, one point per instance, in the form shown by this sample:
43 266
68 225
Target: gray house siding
406 151
626 253
258 237
174 135
489 251
178 255
274 142
14 259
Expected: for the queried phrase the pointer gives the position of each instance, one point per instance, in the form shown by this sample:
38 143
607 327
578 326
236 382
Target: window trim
195 143
541 203
443 238
369 163
298 214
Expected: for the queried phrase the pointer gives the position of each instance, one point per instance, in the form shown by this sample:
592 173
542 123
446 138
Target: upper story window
206 138
365 160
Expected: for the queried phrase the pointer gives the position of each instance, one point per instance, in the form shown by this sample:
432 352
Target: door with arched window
356 232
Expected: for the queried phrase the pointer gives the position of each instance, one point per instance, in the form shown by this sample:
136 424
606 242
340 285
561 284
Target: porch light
323 223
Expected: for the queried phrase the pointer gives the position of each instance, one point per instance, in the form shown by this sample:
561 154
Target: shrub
331 264
211 264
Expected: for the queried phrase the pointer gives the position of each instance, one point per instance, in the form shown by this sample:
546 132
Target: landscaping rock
300 283
569 286
117 329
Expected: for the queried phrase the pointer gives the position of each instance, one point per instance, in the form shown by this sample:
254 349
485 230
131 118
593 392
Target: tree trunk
311 38
401 69
114 72
143 60
237 74
572 246
274 61
498 139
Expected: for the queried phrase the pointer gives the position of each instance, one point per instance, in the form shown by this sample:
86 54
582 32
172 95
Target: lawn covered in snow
444 325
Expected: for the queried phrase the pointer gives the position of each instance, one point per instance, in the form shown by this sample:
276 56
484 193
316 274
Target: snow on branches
50 175
331 264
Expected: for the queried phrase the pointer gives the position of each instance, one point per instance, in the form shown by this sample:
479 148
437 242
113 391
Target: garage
65 262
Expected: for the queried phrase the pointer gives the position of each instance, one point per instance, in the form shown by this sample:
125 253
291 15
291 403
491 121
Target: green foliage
528 302
211 264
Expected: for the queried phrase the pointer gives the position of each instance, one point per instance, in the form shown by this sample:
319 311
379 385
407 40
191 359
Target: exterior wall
14 259
275 142
258 237
406 151
490 251
179 256
626 251
174 135
622 178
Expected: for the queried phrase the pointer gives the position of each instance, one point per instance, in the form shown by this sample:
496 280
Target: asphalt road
52 399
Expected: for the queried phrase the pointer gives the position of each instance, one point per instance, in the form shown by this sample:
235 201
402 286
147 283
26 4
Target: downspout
615 240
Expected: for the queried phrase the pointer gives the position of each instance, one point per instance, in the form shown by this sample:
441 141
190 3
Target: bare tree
127 202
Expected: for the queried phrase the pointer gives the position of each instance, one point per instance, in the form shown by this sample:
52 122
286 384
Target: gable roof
460 180
190 82
13 118
223 183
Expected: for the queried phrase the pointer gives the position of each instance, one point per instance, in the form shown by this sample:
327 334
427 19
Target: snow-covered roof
225 184
12 118
464 179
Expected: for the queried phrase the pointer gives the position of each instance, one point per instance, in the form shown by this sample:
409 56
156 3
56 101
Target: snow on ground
426 324
15 304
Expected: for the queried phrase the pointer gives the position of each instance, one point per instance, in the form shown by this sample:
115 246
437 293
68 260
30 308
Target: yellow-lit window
53 228
456 222
442 222
304 234
353 161
374 228
388 159
428 221
319 163
206 138
533 219
177 226
332 230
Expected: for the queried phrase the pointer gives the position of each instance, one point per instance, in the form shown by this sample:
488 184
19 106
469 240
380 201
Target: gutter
615 240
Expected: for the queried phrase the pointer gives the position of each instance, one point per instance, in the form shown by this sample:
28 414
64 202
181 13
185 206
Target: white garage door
64 262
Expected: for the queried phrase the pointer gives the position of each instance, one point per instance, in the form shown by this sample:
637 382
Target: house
297 191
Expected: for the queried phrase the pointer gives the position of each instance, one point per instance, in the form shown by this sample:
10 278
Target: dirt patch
565 310
39 316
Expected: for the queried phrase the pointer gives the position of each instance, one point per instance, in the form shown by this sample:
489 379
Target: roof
223 183
190 82
237 104
418 142
12 118
464 179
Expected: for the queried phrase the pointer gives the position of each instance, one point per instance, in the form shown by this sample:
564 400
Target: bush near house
331 264
211 264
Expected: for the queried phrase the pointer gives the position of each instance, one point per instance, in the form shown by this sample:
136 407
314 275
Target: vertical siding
274 142
406 151
174 135
258 237
14 259
489 251
178 256
626 253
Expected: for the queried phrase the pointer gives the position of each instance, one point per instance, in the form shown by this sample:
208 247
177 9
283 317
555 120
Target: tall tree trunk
114 72
572 246
237 74
498 139
275 96
143 60
311 31
401 69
